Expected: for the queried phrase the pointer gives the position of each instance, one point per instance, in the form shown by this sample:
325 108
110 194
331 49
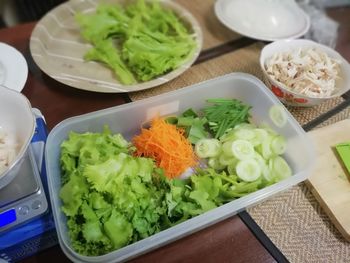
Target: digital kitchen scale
37 232
24 198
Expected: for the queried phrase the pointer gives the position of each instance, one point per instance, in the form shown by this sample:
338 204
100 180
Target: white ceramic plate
13 68
58 49
267 20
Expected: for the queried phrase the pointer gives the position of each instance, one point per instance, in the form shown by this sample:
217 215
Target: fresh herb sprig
223 114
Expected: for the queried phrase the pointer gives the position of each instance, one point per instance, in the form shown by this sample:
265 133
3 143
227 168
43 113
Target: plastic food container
126 119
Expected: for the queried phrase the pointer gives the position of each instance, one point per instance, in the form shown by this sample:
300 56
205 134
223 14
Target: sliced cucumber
280 167
261 161
278 145
260 136
248 170
227 148
231 168
214 163
265 148
242 150
226 160
206 148
266 173
268 129
244 125
245 134
228 136
278 115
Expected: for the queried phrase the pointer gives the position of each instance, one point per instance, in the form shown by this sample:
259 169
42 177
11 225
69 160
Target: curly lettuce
110 198
138 41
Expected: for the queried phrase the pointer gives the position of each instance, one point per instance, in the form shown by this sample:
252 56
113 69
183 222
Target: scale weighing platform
26 222
24 198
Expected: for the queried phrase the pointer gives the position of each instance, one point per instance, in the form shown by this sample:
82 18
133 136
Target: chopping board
329 180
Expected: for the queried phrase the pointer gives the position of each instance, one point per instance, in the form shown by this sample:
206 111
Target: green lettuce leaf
110 197
105 51
118 229
73 193
138 41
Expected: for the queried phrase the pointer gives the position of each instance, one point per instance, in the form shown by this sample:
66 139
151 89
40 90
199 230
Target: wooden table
236 239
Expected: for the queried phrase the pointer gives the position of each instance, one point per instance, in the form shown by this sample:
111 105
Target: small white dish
13 68
267 20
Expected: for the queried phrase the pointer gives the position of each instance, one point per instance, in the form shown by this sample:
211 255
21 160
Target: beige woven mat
296 224
293 220
344 114
305 115
214 33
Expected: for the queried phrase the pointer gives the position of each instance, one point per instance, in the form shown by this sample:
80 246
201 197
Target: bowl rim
219 4
5 176
345 66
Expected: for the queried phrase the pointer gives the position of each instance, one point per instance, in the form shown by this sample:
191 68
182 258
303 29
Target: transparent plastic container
126 119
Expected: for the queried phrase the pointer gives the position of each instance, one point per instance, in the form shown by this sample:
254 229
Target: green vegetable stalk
223 114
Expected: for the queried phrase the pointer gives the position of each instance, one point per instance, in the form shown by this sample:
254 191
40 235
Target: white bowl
17 120
284 93
13 68
268 20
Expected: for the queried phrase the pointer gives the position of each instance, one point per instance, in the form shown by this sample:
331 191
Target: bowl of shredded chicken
8 149
303 72
17 126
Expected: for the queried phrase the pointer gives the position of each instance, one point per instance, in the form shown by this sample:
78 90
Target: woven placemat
297 225
344 114
214 33
305 115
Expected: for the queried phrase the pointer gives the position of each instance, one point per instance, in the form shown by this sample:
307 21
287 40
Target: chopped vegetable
278 115
203 191
206 148
248 152
307 71
194 126
167 145
8 149
248 170
224 114
242 149
139 41
279 167
110 198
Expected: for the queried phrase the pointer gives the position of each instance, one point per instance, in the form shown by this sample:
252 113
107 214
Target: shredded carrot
167 145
